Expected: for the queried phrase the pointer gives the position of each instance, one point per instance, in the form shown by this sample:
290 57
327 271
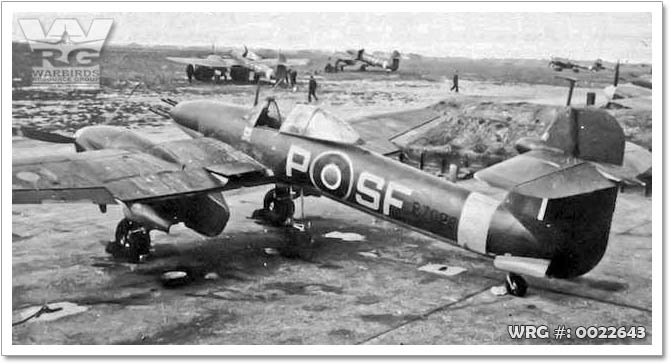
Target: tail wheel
516 285
279 207
299 242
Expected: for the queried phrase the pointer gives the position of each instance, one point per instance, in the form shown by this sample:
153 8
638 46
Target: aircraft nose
210 118
185 114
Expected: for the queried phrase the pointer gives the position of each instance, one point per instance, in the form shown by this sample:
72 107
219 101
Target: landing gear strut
131 241
278 204
299 240
516 285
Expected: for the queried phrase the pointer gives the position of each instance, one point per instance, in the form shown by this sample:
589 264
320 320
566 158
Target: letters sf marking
332 172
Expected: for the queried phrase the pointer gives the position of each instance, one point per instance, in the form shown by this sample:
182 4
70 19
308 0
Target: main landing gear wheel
279 206
131 241
516 285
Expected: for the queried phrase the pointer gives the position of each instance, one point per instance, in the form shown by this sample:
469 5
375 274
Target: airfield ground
367 291
349 292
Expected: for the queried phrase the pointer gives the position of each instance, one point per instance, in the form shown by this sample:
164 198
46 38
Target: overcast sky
582 36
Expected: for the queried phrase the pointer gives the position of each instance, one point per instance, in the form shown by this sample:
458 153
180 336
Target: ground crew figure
189 72
294 77
454 87
287 76
312 89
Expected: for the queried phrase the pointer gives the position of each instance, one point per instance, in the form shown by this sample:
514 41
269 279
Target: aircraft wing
104 176
293 62
206 62
214 156
387 133
343 56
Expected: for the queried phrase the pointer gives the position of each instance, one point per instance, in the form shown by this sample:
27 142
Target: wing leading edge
104 176
387 133
217 62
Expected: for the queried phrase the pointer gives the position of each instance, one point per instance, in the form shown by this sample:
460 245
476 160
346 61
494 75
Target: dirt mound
483 129
484 132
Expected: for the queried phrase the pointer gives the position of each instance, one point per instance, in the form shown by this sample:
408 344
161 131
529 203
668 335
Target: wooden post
572 87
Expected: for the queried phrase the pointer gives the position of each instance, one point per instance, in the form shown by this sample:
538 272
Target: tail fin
587 133
359 55
558 194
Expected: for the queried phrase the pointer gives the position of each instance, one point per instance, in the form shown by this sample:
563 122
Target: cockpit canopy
313 122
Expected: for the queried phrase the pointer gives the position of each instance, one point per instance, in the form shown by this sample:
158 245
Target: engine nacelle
147 216
206 214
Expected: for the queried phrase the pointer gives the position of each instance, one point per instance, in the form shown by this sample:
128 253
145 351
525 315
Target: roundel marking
331 176
333 172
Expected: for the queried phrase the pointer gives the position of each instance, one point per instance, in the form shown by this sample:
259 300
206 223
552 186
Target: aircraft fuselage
517 225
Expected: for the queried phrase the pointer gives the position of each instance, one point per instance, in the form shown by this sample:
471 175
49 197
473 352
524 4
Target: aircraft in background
239 65
554 220
364 60
558 64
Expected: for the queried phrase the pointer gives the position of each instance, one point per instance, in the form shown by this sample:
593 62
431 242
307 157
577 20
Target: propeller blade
39 135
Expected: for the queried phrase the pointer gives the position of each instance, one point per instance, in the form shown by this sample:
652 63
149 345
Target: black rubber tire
140 244
516 285
130 241
118 247
279 210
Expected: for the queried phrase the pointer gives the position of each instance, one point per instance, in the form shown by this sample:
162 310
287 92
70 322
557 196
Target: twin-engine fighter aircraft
364 60
240 66
559 64
554 220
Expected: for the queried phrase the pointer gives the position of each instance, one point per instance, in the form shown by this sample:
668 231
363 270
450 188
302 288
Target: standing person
294 77
287 76
189 72
454 87
312 89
